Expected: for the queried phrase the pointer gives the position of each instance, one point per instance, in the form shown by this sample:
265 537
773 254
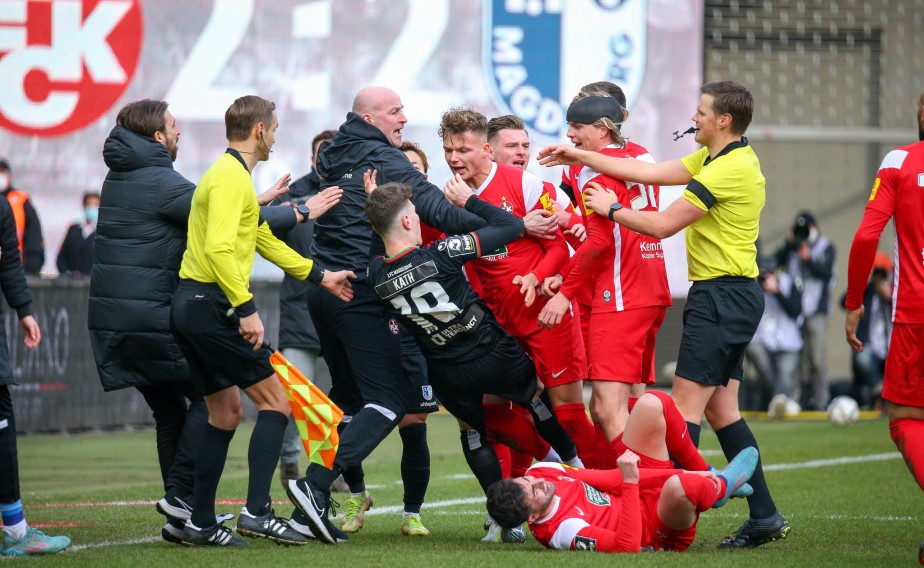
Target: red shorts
903 382
558 353
643 460
622 345
660 536
583 315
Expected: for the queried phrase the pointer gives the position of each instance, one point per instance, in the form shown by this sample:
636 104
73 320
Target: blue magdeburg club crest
539 53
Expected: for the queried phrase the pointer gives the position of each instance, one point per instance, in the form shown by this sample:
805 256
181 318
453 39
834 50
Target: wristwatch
614 208
303 211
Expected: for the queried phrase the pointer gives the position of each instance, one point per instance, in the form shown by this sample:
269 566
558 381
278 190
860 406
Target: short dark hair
734 99
384 205
90 195
408 146
507 503
246 112
611 89
321 137
144 117
460 120
505 122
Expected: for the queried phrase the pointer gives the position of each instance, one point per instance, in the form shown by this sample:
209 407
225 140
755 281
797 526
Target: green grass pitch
845 491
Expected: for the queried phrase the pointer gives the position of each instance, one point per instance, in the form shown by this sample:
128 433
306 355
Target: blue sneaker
33 543
736 474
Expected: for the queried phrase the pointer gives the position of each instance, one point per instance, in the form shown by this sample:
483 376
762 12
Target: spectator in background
298 340
777 344
76 255
28 226
19 539
809 255
874 330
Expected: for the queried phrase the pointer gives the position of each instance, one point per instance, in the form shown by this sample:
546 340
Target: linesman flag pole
315 415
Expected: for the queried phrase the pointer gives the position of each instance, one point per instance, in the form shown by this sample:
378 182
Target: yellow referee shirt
732 191
224 233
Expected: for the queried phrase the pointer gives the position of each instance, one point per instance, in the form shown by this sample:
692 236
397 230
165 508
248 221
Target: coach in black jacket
140 241
362 346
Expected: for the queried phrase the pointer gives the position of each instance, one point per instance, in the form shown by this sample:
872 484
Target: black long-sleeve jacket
343 238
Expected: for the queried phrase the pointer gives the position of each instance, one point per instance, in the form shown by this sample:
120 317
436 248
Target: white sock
17 531
552 456
357 495
406 515
575 462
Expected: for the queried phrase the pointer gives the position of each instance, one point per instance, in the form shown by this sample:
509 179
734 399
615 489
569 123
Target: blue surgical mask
91 213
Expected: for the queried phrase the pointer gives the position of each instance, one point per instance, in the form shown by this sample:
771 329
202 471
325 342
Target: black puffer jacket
140 241
12 282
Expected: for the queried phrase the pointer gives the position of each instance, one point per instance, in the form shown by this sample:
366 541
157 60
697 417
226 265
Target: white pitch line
435 505
832 461
108 543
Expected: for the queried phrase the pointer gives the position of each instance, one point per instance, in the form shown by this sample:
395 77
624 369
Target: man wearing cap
28 226
625 269
809 255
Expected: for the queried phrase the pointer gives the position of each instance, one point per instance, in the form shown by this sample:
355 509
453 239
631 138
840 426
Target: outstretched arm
671 172
660 224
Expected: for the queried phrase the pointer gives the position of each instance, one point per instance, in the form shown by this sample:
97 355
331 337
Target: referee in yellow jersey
720 209
227 355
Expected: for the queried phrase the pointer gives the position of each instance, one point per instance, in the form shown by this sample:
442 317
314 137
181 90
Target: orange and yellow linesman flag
315 415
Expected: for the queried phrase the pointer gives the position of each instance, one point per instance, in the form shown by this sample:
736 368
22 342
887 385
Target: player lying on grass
646 505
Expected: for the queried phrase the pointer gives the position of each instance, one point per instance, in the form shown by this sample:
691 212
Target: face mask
4 182
91 213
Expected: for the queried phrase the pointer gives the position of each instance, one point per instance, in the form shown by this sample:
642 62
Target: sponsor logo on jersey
393 326
64 63
538 54
499 254
427 392
585 543
461 244
920 180
595 496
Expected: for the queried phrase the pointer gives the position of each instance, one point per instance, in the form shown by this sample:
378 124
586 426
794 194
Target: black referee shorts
719 321
505 371
219 357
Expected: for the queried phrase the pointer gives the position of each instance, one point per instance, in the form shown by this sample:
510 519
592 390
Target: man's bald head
368 99
382 108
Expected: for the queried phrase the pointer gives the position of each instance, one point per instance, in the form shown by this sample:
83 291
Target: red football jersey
591 498
898 193
517 192
624 268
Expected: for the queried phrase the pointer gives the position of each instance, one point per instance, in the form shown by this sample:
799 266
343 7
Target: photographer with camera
874 330
777 344
809 255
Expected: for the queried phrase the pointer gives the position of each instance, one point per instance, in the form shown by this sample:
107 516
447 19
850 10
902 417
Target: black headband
591 109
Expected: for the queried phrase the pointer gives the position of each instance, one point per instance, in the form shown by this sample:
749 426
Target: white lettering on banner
32 73
193 94
51 355
420 36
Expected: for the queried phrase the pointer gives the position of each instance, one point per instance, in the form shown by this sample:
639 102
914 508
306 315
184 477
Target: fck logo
64 63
